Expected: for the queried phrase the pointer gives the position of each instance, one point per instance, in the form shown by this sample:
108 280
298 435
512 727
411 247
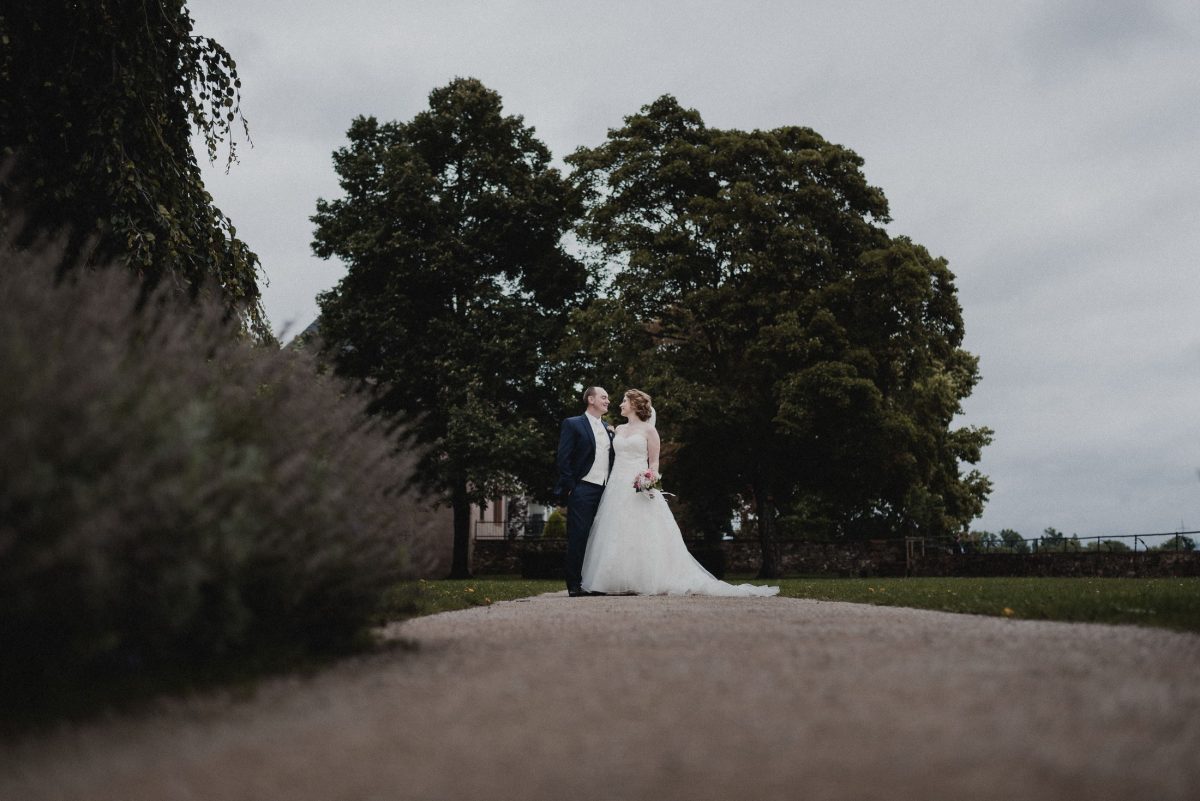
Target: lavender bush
172 495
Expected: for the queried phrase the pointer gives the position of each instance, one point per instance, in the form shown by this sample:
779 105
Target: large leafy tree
451 228
98 103
804 359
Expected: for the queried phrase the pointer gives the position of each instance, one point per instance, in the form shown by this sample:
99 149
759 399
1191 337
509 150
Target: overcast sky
1049 149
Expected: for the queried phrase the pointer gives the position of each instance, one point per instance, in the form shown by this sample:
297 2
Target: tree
805 360
97 111
602 345
1054 540
1115 546
1178 543
451 229
1013 541
985 540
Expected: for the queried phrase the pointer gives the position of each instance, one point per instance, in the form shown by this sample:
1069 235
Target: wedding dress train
635 545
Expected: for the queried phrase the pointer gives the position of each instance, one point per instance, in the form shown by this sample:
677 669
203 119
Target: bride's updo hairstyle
640 402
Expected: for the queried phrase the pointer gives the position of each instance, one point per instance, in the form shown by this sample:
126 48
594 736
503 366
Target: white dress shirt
599 472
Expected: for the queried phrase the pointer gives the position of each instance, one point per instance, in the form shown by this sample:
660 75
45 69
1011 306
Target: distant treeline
1051 539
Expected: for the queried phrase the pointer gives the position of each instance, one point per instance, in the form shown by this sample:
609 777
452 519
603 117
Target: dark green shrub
544 559
173 497
711 556
556 525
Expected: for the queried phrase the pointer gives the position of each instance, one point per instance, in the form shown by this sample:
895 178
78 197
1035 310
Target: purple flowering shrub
173 495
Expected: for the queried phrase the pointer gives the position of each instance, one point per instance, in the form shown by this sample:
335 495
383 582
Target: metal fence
1108 543
1177 541
490 530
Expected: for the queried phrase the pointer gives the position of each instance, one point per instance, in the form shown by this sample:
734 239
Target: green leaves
458 287
106 135
777 306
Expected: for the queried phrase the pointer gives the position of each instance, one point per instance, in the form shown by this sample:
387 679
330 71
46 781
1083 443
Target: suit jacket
576 452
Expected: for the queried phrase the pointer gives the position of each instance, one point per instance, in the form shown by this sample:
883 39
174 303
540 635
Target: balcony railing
493 530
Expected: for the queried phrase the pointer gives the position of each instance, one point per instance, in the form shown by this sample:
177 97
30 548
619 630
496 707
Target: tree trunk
764 504
460 562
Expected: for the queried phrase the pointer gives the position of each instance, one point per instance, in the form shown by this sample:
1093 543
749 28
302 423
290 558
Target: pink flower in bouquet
647 481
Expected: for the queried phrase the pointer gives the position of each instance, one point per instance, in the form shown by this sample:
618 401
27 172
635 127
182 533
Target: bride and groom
620 540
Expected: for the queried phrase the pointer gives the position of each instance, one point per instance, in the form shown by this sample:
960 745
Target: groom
585 458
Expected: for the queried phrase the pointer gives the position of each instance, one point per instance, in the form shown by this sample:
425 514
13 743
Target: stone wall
500 557
803 558
1153 564
542 558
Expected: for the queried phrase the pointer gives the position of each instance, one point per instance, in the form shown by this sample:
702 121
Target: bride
635 545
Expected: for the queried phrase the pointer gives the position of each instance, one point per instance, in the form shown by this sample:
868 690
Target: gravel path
672 698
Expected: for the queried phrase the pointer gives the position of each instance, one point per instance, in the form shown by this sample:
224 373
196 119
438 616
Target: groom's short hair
588 393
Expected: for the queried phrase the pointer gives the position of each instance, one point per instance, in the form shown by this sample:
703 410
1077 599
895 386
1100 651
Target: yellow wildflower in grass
1008 612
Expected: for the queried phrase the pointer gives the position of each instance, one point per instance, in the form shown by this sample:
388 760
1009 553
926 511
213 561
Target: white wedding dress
635 545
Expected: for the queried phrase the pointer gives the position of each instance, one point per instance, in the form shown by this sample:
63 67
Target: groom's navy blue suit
576 454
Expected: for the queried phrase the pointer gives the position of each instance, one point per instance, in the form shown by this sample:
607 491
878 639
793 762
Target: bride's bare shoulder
646 431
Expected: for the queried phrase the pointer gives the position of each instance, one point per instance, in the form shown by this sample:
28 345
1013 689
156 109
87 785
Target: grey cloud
1065 30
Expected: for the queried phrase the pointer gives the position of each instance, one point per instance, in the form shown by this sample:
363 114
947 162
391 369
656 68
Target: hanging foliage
99 104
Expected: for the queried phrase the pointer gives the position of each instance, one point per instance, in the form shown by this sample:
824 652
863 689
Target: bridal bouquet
647 481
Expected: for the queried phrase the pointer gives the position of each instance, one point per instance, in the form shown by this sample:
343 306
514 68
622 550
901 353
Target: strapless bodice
630 446
631 456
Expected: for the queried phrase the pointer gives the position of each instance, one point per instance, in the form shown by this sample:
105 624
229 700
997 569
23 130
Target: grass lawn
1168 603
429 597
